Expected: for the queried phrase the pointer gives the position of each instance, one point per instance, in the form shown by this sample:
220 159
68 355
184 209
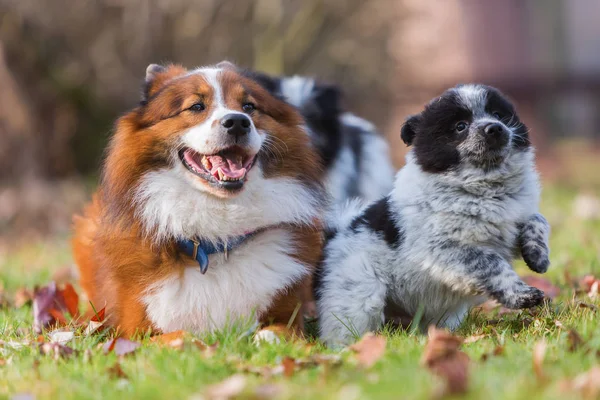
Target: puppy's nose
236 124
493 129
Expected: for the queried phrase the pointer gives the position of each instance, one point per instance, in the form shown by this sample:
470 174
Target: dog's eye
497 115
248 107
198 107
461 126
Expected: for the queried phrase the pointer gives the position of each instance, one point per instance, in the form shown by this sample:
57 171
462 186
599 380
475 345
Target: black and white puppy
462 208
354 154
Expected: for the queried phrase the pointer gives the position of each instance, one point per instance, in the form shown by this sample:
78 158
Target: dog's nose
236 124
493 129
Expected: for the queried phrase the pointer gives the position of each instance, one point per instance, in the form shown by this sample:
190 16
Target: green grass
157 372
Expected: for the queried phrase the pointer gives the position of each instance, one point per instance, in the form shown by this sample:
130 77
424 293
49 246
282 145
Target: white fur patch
297 89
171 208
244 284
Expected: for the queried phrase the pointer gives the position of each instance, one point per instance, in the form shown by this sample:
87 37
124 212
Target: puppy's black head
468 124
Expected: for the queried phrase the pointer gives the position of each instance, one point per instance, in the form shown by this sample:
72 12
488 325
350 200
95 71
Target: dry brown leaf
120 346
56 350
539 353
498 351
272 334
99 316
575 340
92 327
550 291
117 372
289 366
474 338
70 299
172 339
61 337
443 357
369 349
587 383
227 389
22 297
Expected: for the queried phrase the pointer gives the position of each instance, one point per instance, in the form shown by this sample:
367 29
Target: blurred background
69 68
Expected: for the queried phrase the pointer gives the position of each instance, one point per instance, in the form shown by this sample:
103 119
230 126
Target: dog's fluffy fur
462 208
176 169
354 154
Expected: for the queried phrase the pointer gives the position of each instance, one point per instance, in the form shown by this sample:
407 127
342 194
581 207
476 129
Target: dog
209 208
354 154
464 205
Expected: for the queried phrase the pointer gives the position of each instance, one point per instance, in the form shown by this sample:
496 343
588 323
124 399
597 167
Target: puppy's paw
536 258
527 298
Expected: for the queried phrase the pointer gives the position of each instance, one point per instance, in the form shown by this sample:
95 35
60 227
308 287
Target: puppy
461 209
208 209
354 154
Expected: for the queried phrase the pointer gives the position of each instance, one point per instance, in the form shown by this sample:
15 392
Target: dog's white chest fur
231 289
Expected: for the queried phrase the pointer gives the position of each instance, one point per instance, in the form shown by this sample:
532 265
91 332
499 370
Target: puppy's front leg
533 243
488 272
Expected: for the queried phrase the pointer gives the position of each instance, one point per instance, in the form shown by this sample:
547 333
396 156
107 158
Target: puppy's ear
409 129
157 76
328 98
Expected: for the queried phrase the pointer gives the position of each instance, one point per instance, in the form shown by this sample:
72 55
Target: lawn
500 346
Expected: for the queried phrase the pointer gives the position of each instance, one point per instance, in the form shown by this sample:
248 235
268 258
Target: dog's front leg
484 271
533 243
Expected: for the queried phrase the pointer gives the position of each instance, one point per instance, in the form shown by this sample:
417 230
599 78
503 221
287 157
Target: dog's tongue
232 165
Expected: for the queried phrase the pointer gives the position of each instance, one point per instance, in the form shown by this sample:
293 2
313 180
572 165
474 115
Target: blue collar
199 250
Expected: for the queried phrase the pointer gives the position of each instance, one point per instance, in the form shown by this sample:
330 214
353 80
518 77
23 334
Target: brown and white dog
210 169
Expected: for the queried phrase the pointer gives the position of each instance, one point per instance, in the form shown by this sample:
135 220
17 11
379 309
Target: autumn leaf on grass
22 297
56 350
474 338
117 372
96 322
120 346
61 337
227 389
443 357
369 349
174 340
50 303
550 291
587 384
539 353
272 334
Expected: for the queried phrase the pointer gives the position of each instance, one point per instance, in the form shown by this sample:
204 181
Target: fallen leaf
289 366
120 346
593 293
443 357
272 334
539 353
369 349
227 389
92 327
550 291
586 283
574 339
99 316
116 372
70 299
587 383
172 339
587 305
474 338
56 350
61 337
22 297
558 324
498 351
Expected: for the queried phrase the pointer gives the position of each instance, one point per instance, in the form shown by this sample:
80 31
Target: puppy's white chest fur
244 283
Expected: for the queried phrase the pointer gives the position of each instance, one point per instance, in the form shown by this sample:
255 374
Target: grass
155 372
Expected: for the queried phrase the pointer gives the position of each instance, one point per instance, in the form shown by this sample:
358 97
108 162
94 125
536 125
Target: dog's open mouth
228 168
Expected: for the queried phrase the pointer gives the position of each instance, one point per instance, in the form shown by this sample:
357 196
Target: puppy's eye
197 107
497 115
248 107
461 126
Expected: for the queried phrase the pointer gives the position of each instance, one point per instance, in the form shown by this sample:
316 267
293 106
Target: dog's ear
157 76
328 98
409 129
